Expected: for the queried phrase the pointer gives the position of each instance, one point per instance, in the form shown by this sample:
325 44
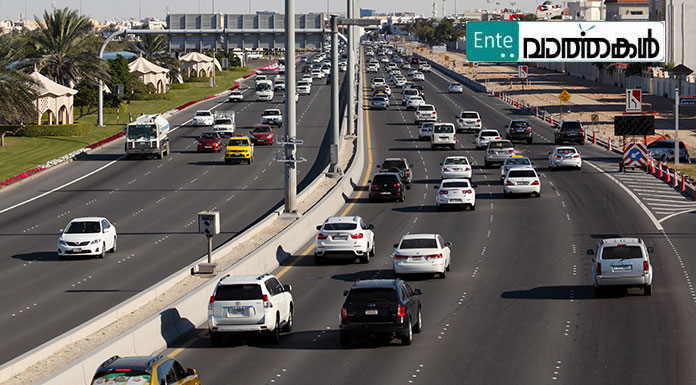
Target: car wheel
487 164
113 247
506 195
372 250
365 258
418 327
537 194
647 290
407 339
598 292
529 141
438 207
318 260
472 207
582 143
216 338
291 321
402 198
345 339
227 161
274 335
443 274
103 252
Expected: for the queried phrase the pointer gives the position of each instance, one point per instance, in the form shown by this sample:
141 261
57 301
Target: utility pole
350 76
676 124
335 119
290 107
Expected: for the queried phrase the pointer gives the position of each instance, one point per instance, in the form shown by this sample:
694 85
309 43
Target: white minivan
443 135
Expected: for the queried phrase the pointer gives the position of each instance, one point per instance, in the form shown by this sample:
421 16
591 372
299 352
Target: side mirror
436 187
377 166
440 164
345 293
190 372
287 288
369 181
319 227
590 252
417 291
650 249
448 244
371 226
549 153
60 231
474 185
396 245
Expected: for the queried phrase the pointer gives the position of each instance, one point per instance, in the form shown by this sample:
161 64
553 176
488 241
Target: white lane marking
678 213
194 180
148 173
632 195
62 186
681 199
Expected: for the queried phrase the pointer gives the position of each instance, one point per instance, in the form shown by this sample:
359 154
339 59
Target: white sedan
484 137
419 76
565 157
521 182
456 167
455 88
236 96
515 162
426 130
455 193
88 236
422 254
413 102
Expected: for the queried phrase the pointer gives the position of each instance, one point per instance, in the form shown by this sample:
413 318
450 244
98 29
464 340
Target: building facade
620 10
591 10
680 33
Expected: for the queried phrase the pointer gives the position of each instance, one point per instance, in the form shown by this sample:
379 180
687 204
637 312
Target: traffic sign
522 72
564 96
635 155
687 100
634 100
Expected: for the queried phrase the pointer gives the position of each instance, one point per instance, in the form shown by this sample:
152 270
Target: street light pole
350 76
676 124
290 127
335 129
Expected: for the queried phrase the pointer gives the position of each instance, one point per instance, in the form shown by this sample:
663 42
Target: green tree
529 17
445 31
154 48
18 91
86 99
65 50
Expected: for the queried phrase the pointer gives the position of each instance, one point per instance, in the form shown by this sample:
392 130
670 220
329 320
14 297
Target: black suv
519 130
400 166
387 185
569 131
380 307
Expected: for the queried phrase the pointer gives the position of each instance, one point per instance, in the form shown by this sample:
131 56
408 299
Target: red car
262 134
210 141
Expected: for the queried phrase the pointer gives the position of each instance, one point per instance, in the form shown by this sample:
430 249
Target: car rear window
385 179
502 144
122 377
443 129
564 151
83 227
237 142
489 133
340 226
209 135
519 124
521 174
426 108
203 113
271 112
238 292
463 161
469 115
517 161
418 243
455 184
223 121
262 129
622 252
372 295
571 125
387 164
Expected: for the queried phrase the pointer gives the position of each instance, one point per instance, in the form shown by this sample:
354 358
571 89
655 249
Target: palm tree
65 50
18 91
154 48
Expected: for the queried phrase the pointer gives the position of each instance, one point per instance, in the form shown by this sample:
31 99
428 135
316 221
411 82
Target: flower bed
105 141
21 176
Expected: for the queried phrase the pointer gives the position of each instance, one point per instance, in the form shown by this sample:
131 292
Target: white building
590 10
619 10
548 10
679 16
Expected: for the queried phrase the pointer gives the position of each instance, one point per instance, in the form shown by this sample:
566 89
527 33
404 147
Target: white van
443 135
264 90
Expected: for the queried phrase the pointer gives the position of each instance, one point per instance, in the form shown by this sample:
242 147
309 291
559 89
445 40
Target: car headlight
61 242
94 242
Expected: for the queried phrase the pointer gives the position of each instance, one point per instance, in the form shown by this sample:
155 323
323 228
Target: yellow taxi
145 370
239 148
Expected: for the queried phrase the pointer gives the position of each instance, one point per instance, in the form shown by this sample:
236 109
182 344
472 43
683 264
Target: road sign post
635 155
634 100
522 72
563 97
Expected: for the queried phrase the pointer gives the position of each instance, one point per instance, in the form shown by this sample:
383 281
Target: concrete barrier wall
159 331
476 86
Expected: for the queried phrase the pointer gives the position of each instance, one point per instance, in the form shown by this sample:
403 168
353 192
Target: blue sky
107 9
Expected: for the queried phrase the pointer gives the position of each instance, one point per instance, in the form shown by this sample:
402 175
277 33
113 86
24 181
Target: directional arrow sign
564 96
635 155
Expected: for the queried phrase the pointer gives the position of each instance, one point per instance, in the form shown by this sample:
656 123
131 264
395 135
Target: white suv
468 121
621 262
250 304
343 237
421 253
426 113
443 136
273 117
203 118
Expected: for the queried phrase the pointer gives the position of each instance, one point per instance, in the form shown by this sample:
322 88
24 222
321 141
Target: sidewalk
587 97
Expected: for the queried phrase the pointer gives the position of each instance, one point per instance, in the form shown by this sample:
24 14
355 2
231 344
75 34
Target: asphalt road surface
154 205
518 305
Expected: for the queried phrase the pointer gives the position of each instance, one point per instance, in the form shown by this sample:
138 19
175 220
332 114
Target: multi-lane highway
153 203
518 305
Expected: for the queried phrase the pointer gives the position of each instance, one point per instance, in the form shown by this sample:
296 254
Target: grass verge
22 153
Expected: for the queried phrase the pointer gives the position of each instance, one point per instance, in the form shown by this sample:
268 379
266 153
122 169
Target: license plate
340 237
208 146
385 193
418 258
567 157
455 201
622 267
77 250
371 312
235 311
456 169
522 183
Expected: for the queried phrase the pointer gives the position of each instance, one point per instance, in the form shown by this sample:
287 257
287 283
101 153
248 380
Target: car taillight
599 268
529 129
478 120
576 156
445 169
535 183
212 299
266 302
130 144
397 185
408 172
439 255
646 267
509 183
562 130
322 236
373 186
344 312
399 256
442 192
357 236
510 151
466 191
491 152
557 156
400 311
123 370
581 131
497 138
467 168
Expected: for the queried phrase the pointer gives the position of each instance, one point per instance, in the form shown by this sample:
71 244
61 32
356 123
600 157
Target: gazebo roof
141 65
197 57
49 87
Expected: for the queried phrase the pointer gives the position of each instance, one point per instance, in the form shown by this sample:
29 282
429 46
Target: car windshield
519 124
489 133
371 295
517 161
454 84
83 227
410 92
122 377
502 144
469 115
271 112
236 92
443 129
450 161
262 129
203 113
223 121
238 292
209 135
339 226
263 87
521 174
145 131
622 252
237 142
571 125
457 184
565 151
418 243
387 164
